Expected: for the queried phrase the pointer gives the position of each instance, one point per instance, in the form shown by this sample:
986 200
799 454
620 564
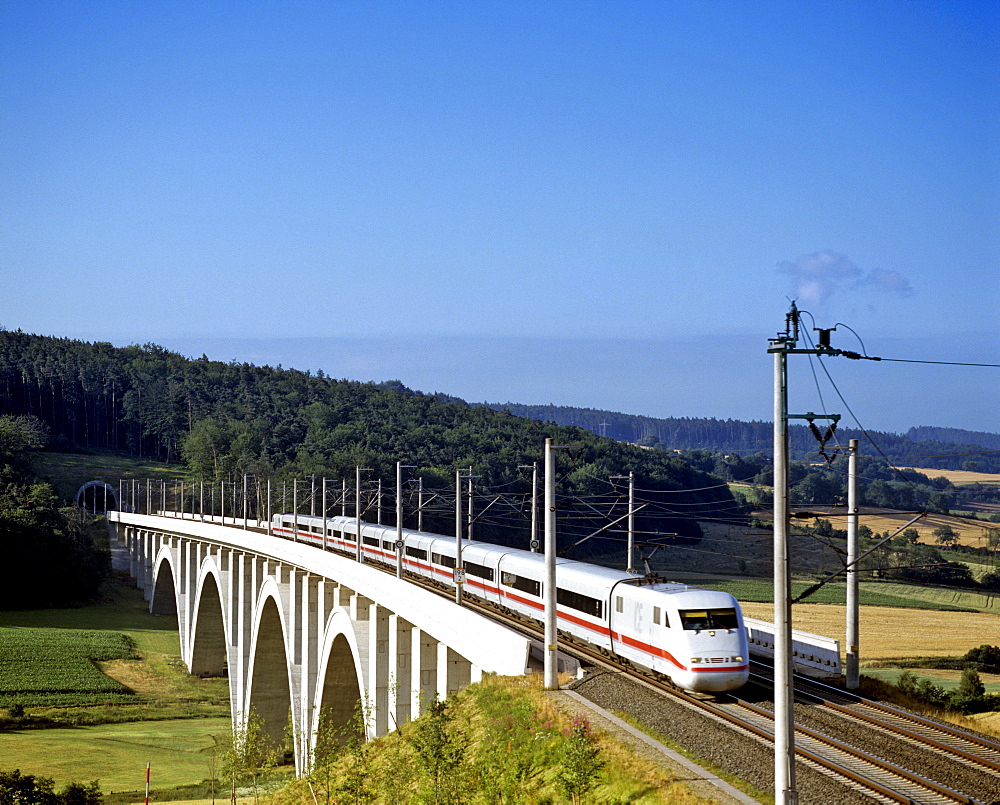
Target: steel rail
991 747
989 761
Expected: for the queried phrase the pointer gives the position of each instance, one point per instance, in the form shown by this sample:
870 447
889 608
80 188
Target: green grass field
48 667
179 753
944 598
892 675
874 594
123 610
67 472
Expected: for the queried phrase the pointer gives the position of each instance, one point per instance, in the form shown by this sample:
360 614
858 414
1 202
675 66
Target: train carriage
693 636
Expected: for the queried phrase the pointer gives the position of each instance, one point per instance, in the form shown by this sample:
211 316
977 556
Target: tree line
50 554
879 484
223 420
927 447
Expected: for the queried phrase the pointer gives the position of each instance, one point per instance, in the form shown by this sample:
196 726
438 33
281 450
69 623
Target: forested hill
226 419
936 448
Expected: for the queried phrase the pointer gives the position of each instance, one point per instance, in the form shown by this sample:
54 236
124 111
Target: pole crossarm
811 416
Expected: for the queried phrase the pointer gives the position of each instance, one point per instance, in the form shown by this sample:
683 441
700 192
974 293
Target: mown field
971 533
180 752
963 477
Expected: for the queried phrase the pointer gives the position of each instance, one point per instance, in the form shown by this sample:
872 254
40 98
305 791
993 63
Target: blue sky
596 204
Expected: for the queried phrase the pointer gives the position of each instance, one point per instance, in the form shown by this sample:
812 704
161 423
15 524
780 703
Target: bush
985 659
581 760
969 697
26 789
991 582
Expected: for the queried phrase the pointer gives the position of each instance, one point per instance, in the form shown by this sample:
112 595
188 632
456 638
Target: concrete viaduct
300 631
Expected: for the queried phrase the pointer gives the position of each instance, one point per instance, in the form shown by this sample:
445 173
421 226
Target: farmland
144 681
963 477
872 593
48 667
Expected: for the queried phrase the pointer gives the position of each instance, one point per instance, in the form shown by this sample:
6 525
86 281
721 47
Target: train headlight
695 660
738 658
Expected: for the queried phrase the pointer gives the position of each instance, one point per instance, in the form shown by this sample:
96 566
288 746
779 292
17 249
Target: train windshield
693 619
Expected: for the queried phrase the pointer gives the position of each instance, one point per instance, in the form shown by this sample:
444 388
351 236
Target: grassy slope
512 748
67 472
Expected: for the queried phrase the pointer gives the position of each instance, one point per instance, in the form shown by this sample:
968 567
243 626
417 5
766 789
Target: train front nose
718 660
717 674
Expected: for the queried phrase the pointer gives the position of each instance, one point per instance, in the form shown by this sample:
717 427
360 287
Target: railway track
964 746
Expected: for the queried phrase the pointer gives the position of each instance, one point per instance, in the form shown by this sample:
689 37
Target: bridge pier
400 649
424 688
305 633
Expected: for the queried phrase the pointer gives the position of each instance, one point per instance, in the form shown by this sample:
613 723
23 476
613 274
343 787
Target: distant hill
932 448
955 436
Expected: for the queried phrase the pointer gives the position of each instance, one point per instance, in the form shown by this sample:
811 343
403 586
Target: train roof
569 569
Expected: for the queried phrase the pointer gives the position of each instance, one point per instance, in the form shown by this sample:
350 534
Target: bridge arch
301 631
339 700
209 629
97 496
165 589
269 694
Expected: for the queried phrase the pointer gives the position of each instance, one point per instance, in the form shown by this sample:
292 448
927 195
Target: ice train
696 637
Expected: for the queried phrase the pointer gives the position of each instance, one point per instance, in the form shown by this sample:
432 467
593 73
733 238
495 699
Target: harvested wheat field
962 477
889 633
970 532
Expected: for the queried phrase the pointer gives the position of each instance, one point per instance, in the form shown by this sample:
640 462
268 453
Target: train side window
619 604
525 585
441 559
371 541
656 615
481 571
418 553
580 602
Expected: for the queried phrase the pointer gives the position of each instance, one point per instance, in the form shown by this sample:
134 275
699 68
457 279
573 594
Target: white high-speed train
694 636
